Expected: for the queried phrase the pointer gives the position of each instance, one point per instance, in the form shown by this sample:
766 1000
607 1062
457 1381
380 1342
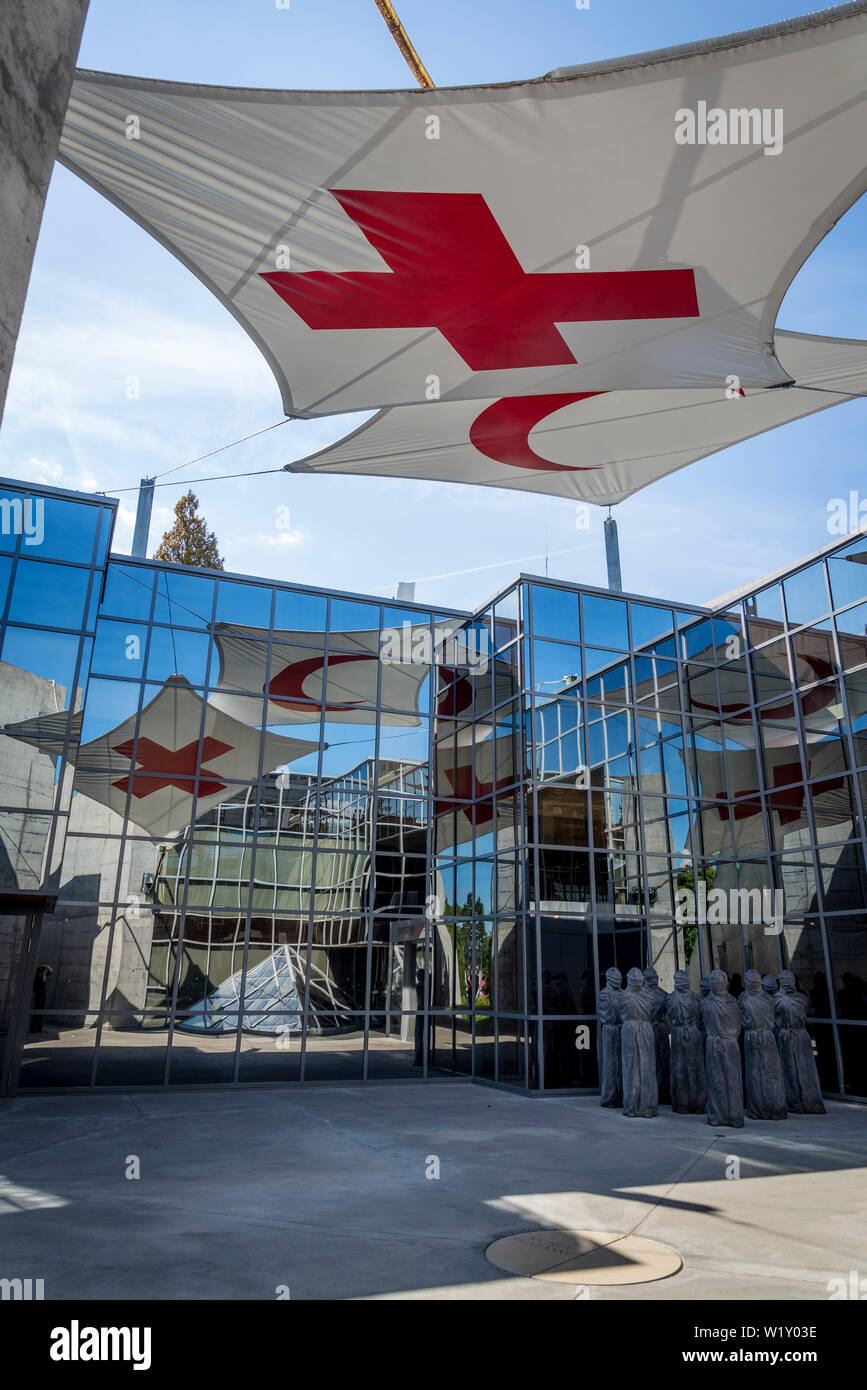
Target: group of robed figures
684 1050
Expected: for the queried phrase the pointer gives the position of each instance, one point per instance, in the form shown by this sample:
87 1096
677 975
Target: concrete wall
27 779
76 937
39 42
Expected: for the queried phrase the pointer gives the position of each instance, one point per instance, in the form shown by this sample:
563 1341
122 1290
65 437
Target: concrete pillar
143 518
612 555
39 42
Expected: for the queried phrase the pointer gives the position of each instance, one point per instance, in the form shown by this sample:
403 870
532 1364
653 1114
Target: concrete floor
323 1189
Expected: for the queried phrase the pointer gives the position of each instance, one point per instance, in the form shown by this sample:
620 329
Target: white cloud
53 474
40 471
282 540
98 342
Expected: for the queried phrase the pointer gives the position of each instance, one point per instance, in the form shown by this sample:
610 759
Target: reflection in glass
806 595
296 838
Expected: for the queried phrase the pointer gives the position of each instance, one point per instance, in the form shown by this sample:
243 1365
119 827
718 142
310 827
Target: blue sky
106 302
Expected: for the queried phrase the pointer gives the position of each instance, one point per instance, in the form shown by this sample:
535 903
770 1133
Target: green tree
188 541
686 879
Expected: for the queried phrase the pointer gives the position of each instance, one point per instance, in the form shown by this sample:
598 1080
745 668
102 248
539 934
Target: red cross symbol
167 767
813 702
453 269
456 693
467 787
787 801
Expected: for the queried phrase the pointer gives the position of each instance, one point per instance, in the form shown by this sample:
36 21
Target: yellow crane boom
401 38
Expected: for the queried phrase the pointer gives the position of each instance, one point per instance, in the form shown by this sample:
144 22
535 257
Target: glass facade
256 833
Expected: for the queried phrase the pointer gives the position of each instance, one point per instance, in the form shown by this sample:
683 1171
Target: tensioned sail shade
600 448
182 760
363 683
383 247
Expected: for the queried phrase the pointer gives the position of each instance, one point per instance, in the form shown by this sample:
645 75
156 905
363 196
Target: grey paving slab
325 1189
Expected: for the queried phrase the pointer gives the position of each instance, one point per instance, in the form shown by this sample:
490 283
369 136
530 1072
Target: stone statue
704 989
770 986
660 1034
803 1091
722 1026
688 1085
638 1048
610 1073
766 1093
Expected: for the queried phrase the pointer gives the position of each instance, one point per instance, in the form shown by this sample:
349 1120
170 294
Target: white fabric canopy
297 680
158 769
383 247
359 669
468 778
598 449
738 812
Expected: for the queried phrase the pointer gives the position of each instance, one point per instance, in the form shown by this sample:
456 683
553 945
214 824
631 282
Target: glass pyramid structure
273 1000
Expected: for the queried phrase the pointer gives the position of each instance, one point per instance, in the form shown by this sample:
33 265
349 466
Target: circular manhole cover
584 1257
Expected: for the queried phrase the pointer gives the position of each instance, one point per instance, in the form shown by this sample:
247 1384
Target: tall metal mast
401 38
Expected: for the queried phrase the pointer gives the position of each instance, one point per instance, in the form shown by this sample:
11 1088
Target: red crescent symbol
502 431
466 785
456 697
287 687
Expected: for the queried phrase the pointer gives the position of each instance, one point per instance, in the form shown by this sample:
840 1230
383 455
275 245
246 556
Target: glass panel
5 576
649 624
764 613
349 616
198 1059
556 666
853 1046
555 613
185 600
272 1057
132 1050
61 1053
852 636
243 605
771 672
50 656
128 591
806 595
696 642
334 1052
847 947
50 595
70 530
511 1051
848 574
596 659
605 622
299 612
